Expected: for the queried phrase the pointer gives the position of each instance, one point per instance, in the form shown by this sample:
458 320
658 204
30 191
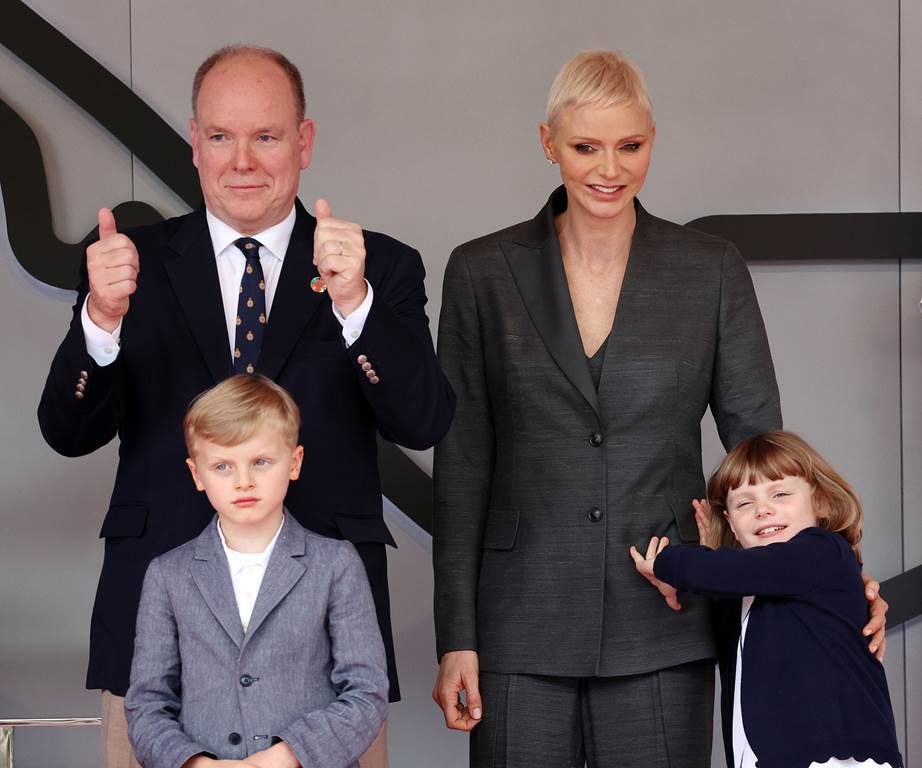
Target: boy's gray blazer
309 670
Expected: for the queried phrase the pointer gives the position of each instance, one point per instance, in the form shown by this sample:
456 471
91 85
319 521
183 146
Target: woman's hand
459 671
644 566
702 519
876 628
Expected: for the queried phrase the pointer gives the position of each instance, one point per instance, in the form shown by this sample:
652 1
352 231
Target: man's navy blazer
811 690
174 345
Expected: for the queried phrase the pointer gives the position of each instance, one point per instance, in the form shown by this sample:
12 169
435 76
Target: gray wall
426 118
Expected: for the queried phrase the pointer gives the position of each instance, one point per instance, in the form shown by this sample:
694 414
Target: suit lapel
282 573
294 303
193 276
537 268
211 575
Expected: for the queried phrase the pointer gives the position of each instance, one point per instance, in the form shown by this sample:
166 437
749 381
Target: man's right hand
459 671
112 264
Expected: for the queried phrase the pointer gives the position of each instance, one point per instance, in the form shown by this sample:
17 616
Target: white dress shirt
103 346
246 571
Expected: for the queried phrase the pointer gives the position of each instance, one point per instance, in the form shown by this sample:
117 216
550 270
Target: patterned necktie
251 308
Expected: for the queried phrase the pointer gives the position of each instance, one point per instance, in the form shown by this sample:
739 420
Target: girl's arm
789 568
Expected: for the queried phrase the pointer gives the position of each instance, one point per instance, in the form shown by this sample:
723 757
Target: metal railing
7 728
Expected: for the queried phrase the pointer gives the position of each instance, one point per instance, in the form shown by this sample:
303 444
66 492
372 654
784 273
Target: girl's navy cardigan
810 688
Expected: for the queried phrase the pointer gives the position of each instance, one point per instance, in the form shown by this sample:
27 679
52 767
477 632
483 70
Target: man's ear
195 478
306 131
193 139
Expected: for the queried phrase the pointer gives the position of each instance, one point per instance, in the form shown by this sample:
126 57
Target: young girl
799 688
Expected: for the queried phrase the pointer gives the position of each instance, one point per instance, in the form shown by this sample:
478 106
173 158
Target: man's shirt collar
274 239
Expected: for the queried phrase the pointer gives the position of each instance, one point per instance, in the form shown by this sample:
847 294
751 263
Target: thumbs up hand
112 264
339 255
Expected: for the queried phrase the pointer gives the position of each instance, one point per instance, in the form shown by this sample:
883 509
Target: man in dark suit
251 282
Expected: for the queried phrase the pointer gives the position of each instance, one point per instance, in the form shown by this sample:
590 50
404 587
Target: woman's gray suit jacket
543 483
309 669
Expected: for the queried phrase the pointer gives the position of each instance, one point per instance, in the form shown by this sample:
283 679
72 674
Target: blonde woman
584 346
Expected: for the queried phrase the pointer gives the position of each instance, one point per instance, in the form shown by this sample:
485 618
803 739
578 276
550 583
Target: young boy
257 642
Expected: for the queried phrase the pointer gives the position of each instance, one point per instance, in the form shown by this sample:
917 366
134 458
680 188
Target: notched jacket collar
211 575
532 251
193 275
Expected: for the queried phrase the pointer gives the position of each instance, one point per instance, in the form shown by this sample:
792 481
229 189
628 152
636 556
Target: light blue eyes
226 467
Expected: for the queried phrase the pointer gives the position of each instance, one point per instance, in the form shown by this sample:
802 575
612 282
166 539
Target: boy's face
247 483
770 511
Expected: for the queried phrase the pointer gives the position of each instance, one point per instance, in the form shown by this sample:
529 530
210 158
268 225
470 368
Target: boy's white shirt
246 571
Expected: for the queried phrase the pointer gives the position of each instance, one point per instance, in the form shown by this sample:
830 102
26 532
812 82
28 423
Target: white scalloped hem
834 762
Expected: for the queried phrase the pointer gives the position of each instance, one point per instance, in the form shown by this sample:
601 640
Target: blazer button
234 738
595 514
595 439
247 680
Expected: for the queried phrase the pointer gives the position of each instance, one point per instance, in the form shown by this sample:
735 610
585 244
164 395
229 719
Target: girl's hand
876 628
644 567
702 519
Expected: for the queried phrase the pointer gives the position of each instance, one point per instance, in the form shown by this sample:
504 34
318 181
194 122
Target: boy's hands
278 756
644 565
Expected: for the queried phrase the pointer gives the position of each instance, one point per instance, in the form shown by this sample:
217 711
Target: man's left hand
339 255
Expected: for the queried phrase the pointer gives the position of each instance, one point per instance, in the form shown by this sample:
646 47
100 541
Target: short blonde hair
604 78
775 455
231 412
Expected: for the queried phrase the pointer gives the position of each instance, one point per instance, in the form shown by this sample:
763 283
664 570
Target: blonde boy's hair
231 412
775 455
603 78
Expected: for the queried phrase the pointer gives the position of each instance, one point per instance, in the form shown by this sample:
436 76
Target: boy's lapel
282 573
211 575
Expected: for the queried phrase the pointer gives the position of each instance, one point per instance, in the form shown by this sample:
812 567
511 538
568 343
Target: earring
551 161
